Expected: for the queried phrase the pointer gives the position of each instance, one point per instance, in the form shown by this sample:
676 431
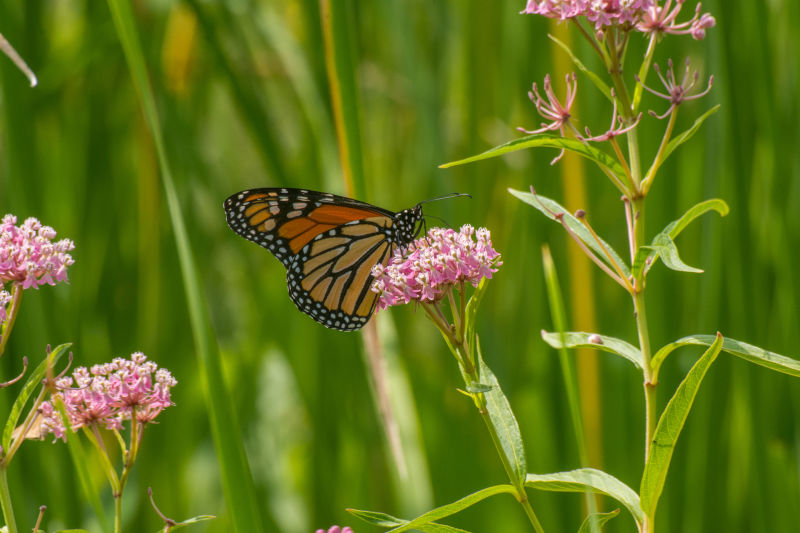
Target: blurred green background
242 93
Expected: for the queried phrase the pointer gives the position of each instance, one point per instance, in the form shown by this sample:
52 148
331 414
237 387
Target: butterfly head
409 224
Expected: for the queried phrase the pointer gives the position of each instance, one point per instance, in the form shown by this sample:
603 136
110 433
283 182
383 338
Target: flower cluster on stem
431 266
109 394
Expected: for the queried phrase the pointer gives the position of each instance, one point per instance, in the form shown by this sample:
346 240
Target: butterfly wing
327 243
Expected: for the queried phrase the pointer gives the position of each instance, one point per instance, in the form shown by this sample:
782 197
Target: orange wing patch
338 214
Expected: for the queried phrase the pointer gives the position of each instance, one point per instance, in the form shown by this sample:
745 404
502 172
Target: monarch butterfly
327 243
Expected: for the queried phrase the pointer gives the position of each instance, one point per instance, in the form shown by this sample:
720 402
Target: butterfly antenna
445 197
440 219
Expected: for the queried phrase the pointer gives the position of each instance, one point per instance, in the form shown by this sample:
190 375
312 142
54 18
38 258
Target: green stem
16 297
5 501
648 179
522 496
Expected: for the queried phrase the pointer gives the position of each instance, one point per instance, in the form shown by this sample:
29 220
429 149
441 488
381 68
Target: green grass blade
556 302
669 428
344 97
592 479
236 478
580 339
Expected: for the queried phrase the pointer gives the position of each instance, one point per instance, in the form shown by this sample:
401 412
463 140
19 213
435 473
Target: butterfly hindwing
327 243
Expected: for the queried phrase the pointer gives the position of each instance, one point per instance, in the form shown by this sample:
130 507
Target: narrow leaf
472 308
669 428
503 420
452 508
597 80
592 479
748 352
596 521
33 381
385 520
551 209
673 229
547 141
686 135
580 339
666 249
187 522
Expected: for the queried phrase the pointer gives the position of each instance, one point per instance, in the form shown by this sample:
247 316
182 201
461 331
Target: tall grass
242 92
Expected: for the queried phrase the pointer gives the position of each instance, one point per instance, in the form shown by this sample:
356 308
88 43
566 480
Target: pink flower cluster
28 255
429 267
108 394
646 16
336 529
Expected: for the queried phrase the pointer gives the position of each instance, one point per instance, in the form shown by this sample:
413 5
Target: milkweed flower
29 256
335 529
646 16
432 265
109 394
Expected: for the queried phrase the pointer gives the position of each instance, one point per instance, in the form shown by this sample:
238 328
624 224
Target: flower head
336 529
429 267
552 109
677 92
645 16
29 256
109 394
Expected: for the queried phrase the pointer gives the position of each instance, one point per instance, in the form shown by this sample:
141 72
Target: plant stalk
5 500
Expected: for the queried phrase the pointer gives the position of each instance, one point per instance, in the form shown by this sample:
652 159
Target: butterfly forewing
328 245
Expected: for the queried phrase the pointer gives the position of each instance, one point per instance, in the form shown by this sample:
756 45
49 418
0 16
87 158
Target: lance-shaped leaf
446 510
389 521
596 521
472 311
504 421
664 246
669 428
543 140
552 209
34 380
580 339
187 522
646 256
597 80
748 352
686 135
591 479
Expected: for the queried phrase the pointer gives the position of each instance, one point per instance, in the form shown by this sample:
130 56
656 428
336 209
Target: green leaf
547 141
551 209
597 80
34 380
503 420
385 520
580 339
596 521
748 352
669 428
646 256
686 135
591 479
665 247
188 522
452 508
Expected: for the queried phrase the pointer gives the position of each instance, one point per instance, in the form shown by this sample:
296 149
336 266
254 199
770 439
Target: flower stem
5 500
16 296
